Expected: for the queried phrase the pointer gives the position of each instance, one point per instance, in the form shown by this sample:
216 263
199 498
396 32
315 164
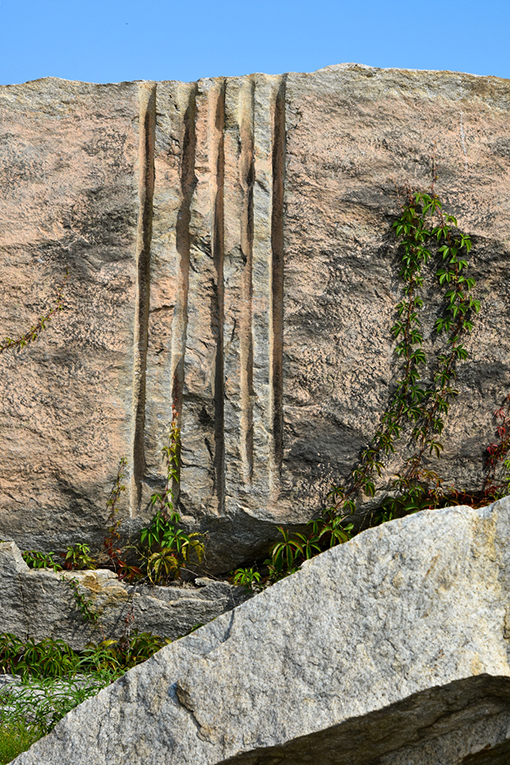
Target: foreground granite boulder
389 650
229 253
41 603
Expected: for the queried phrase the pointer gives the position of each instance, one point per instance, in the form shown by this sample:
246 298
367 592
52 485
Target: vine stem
34 331
412 400
424 438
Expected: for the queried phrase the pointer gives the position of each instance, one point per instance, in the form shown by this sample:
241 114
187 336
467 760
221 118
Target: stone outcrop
36 603
392 649
228 251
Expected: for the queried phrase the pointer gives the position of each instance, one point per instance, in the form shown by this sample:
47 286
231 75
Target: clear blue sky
111 41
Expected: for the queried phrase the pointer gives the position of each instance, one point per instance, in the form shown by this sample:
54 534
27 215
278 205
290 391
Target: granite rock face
229 253
392 649
36 603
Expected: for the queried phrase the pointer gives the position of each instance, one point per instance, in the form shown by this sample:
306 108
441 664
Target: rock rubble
36 603
392 649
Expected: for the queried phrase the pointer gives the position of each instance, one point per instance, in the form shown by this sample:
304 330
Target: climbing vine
418 408
423 391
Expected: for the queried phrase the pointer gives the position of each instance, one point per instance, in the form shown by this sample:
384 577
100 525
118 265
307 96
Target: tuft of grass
30 709
16 738
51 679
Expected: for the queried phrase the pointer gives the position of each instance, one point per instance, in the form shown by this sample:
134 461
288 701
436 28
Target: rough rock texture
229 252
389 650
38 604
70 162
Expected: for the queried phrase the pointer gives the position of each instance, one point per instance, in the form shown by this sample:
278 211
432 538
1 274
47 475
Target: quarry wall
229 254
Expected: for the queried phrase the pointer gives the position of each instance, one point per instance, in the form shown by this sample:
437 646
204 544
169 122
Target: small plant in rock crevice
247 577
33 333
287 555
84 604
37 559
78 557
115 554
165 548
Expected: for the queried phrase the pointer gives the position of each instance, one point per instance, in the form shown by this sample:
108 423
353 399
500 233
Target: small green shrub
78 557
287 555
247 577
115 554
166 549
37 559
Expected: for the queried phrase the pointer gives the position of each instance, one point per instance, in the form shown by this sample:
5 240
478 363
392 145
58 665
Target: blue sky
111 41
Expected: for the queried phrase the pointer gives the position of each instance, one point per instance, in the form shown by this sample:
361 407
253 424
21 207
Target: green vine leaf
421 223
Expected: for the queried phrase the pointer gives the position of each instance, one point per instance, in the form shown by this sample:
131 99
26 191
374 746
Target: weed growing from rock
84 604
33 333
38 559
247 577
165 547
78 557
112 547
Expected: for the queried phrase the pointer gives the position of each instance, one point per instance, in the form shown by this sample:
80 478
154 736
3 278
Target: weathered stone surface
71 156
229 254
390 649
352 136
36 603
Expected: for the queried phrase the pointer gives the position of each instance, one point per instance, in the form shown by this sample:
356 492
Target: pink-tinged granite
70 199
230 254
354 134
